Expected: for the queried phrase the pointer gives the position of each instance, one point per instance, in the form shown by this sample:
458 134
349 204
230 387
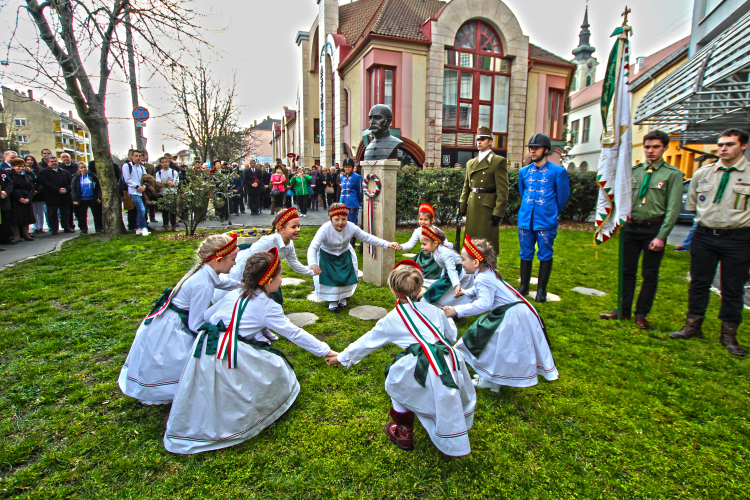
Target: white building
585 128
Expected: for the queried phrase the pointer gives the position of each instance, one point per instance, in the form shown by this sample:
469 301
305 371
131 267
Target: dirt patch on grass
199 235
60 307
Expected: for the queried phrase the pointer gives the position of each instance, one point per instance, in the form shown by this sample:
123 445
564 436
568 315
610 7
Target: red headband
271 271
408 262
426 231
472 250
226 249
338 211
426 207
286 216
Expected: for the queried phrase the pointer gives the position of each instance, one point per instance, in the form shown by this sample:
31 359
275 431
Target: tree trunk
111 205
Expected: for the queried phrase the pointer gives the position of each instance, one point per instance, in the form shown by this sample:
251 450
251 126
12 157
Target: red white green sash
533 309
407 314
228 344
161 309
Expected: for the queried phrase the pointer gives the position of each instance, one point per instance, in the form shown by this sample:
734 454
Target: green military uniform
485 194
657 197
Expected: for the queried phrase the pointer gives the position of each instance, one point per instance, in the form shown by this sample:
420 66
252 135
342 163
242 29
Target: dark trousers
637 238
82 214
168 218
242 203
5 232
330 198
254 202
288 202
132 219
733 252
71 212
151 212
54 223
303 201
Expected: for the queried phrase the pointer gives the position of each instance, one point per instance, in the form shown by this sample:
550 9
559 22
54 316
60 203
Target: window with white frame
22 138
19 122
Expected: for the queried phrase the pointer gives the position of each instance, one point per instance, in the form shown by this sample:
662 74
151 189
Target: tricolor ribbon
370 208
161 305
228 344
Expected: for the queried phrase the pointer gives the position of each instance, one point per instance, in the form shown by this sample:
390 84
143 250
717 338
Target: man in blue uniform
544 192
351 191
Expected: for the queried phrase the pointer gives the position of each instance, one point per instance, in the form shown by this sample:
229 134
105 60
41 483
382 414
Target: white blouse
391 330
336 243
261 313
487 294
448 260
264 244
196 293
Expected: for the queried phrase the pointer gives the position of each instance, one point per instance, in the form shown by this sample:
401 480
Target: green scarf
723 183
646 183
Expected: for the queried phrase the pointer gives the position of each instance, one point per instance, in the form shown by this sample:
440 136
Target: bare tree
86 41
209 116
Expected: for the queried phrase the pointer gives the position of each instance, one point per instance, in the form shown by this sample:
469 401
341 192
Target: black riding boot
545 269
525 277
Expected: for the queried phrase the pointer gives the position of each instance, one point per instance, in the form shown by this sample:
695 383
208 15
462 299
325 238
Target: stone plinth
302 319
376 270
368 313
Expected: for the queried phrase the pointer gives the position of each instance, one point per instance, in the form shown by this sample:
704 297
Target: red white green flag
615 171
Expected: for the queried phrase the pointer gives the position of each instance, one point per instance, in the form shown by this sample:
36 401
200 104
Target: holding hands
457 291
332 358
394 245
450 311
315 269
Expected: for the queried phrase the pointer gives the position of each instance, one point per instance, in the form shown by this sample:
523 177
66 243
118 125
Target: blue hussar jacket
544 192
351 190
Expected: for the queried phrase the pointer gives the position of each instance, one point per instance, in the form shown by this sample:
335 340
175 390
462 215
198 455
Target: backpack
121 182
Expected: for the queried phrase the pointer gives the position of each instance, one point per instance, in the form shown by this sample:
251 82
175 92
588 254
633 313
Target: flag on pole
615 171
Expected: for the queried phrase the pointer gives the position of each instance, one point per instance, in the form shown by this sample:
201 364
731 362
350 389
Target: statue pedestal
376 270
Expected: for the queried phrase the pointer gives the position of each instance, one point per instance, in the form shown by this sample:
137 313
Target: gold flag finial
625 15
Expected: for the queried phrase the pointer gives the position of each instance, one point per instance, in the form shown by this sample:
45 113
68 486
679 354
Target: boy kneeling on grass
429 377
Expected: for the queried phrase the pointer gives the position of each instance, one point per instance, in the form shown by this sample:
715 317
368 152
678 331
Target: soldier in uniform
351 192
485 192
657 198
720 195
544 189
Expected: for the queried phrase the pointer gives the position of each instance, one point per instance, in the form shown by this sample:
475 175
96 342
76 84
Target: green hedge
441 187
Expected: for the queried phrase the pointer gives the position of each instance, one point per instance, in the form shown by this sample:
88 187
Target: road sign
140 114
140 124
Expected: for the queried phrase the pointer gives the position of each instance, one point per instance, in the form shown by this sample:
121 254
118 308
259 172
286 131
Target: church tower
584 59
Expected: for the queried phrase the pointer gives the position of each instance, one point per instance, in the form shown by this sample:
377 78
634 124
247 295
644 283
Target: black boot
545 269
728 338
525 277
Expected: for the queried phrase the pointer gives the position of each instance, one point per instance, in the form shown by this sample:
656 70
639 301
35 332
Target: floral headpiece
472 250
286 216
226 249
426 231
408 262
271 271
338 211
426 207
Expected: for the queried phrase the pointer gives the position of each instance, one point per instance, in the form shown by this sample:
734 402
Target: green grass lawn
633 415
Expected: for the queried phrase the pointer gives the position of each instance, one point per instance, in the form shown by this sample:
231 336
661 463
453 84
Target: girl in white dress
162 343
235 385
331 256
509 345
287 228
446 291
430 270
429 377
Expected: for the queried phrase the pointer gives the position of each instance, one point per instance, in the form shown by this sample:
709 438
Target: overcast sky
258 44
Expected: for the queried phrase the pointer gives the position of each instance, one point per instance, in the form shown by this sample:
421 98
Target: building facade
444 68
585 128
258 140
34 126
584 59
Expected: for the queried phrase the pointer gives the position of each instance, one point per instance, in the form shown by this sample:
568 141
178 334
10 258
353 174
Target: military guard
720 195
544 190
657 198
485 193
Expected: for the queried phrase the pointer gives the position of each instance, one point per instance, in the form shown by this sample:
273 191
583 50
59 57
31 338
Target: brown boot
692 328
174 229
401 429
728 338
613 315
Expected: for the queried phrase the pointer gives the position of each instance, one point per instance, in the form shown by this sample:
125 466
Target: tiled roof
660 55
585 96
540 55
266 124
396 18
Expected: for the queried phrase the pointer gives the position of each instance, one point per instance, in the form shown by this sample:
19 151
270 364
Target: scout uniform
485 193
235 384
720 197
428 378
657 198
544 192
507 345
162 344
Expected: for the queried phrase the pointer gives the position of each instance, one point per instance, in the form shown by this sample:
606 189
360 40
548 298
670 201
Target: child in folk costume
430 270
235 385
446 291
429 377
509 345
331 256
287 229
162 343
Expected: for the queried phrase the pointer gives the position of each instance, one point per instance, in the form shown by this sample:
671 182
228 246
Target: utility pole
133 84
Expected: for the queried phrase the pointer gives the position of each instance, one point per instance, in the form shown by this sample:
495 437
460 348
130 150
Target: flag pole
621 245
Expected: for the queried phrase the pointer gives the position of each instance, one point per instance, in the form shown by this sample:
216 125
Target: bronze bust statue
383 145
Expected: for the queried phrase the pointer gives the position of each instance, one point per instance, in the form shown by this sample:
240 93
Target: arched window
571 166
584 166
588 81
476 87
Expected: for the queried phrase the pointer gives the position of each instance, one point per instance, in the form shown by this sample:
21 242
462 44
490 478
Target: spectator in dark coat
68 164
37 202
6 189
255 187
21 213
56 182
86 193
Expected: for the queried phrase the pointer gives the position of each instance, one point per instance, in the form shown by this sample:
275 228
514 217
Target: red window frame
376 77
